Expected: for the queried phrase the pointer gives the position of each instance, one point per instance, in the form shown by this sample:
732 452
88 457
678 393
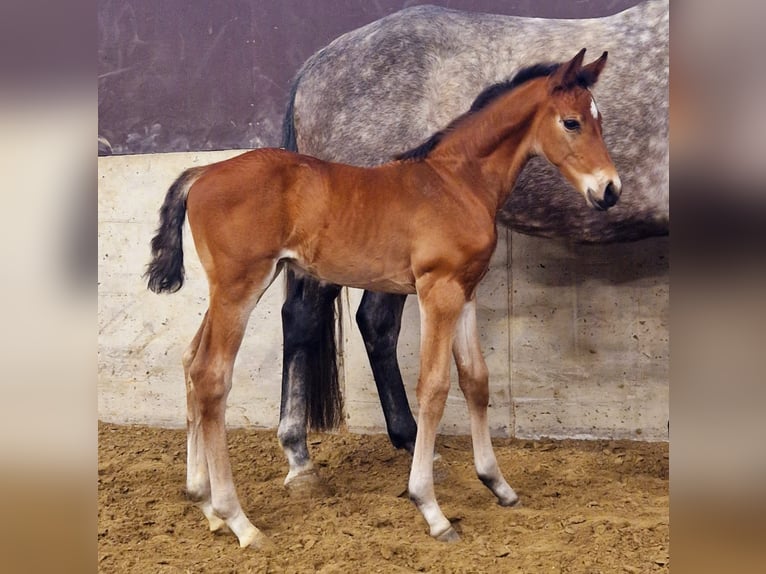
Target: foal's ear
590 73
566 75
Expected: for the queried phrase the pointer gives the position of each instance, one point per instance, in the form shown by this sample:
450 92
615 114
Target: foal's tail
166 269
324 400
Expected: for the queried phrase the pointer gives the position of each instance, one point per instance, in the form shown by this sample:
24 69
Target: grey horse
385 88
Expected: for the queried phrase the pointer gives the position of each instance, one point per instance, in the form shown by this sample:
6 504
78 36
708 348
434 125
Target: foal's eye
572 125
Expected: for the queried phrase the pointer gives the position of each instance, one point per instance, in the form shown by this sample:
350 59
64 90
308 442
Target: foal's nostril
610 195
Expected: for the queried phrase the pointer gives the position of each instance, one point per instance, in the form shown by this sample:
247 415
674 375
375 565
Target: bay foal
422 224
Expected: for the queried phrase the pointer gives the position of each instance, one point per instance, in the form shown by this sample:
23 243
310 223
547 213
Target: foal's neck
491 148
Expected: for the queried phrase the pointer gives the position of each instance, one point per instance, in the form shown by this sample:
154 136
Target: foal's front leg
474 382
440 305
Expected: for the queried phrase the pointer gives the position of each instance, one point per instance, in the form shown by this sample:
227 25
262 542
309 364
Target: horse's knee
432 391
474 382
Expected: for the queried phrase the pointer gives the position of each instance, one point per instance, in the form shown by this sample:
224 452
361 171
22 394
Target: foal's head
569 132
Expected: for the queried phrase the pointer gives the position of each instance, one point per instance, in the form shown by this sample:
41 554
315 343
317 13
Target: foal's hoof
215 523
257 540
449 535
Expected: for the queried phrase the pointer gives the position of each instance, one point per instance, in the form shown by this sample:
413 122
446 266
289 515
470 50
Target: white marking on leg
292 430
214 522
212 389
474 379
432 390
197 479
421 483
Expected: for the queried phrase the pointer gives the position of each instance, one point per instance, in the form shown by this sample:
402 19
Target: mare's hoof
306 484
510 502
449 535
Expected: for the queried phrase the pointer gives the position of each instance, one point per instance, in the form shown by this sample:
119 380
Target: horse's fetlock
197 492
488 479
291 435
403 440
416 499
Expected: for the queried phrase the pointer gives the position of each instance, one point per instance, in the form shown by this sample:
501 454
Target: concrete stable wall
575 337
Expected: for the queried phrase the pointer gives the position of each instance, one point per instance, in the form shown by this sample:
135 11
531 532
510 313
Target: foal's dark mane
487 95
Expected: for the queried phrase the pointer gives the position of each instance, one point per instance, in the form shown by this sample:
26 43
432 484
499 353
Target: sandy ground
595 506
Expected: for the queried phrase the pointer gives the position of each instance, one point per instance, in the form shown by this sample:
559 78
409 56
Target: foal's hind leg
210 375
474 382
197 476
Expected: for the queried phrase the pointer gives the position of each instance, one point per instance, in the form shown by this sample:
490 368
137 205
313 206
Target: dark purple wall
179 75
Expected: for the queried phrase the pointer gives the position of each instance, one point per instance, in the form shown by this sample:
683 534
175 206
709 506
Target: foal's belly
363 273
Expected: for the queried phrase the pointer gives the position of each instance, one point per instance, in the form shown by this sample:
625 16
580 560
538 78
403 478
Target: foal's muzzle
611 195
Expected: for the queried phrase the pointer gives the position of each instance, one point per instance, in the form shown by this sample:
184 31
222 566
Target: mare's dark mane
487 95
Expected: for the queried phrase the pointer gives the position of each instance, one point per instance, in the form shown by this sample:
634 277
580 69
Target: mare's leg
197 476
380 318
474 382
440 304
308 360
210 373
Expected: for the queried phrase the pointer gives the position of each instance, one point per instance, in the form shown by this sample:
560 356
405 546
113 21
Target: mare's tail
324 400
166 269
288 122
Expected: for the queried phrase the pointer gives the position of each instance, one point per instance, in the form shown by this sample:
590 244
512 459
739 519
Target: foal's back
371 228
